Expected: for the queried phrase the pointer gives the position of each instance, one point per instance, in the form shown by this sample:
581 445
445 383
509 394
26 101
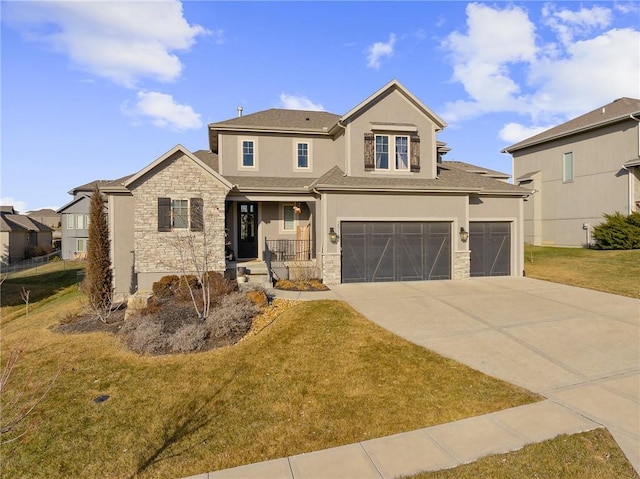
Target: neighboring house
579 170
21 236
50 218
74 217
362 196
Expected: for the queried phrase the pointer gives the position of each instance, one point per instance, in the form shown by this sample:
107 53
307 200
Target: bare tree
19 403
98 284
197 256
25 297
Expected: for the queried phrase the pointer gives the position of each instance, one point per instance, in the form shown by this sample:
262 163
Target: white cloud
378 50
515 132
163 111
483 56
293 102
626 7
120 41
516 69
19 206
569 24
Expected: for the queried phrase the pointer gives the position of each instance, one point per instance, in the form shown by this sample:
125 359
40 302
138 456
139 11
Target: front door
247 230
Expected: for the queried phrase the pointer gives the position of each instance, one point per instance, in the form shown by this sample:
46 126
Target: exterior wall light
464 235
333 236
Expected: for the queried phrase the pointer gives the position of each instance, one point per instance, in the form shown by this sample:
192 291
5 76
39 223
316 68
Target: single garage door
395 251
490 244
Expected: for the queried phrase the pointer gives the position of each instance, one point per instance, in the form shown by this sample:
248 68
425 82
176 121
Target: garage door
395 251
490 244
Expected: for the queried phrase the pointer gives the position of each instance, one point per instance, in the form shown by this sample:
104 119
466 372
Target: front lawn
590 455
319 376
616 272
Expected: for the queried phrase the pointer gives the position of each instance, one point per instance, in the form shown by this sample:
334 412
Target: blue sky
97 90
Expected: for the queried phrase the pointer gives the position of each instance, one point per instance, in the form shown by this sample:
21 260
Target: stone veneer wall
331 268
462 265
177 178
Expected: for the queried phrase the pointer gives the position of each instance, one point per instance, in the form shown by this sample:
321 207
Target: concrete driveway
577 347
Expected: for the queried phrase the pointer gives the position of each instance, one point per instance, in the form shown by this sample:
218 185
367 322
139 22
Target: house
50 218
579 170
21 236
74 219
360 197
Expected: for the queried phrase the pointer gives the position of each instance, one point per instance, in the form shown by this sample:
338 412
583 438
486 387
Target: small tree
98 284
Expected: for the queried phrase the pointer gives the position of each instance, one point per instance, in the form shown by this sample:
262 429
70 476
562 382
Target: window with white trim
288 217
70 222
248 154
176 214
392 152
567 167
302 155
81 245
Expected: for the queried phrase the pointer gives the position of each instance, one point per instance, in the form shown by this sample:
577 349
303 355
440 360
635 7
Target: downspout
630 175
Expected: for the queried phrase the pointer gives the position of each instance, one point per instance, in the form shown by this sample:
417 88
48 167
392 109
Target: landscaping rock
136 303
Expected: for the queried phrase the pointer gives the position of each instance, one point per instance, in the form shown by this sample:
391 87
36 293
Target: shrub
232 317
220 286
618 231
165 286
147 337
188 338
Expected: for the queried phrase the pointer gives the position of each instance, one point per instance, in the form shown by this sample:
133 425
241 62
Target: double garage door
415 251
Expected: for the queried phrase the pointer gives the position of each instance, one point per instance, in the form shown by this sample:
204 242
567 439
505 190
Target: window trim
296 158
241 141
82 241
284 207
71 221
193 218
567 156
174 216
392 152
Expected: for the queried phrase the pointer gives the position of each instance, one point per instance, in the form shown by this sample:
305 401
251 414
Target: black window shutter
369 154
415 153
164 214
197 214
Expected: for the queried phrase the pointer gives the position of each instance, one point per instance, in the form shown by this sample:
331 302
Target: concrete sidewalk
432 448
579 348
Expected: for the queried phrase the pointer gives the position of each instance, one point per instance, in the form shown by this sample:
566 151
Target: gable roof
7 209
178 148
73 202
395 85
618 110
89 186
280 119
476 169
14 222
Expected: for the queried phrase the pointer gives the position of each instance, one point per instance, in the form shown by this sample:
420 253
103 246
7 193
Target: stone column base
462 265
331 268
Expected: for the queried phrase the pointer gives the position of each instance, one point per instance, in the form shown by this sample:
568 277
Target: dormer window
395 147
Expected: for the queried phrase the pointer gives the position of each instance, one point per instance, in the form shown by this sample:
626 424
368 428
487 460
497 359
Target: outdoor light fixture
333 236
464 235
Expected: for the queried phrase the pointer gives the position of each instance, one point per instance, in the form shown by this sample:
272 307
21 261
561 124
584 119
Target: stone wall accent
331 263
178 177
461 265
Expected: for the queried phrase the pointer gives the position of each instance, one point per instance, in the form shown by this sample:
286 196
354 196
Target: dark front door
401 251
247 230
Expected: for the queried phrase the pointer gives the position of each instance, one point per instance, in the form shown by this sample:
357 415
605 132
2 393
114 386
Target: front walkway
579 348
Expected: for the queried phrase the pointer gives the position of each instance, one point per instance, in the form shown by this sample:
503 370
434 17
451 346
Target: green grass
616 272
590 455
319 376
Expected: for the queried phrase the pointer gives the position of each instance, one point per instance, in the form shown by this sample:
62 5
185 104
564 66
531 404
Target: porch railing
291 250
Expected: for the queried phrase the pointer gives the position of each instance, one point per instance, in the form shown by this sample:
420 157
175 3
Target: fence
290 250
33 266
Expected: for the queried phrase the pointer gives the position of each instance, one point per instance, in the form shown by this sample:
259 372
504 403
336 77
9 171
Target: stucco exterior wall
600 184
156 253
338 207
276 155
70 235
391 108
121 233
